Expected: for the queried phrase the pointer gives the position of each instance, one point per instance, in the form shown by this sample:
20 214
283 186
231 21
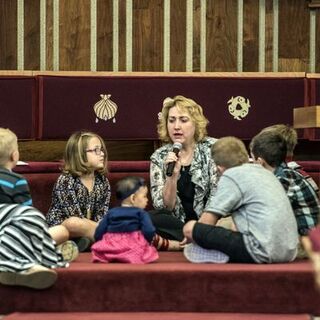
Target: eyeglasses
97 151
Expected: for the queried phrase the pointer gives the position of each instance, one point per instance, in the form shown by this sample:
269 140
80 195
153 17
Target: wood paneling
250 35
222 35
49 35
147 35
104 35
196 34
122 35
178 35
294 25
32 35
74 35
8 35
318 41
269 36
117 150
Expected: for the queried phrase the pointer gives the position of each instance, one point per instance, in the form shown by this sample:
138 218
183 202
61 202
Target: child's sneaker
69 250
37 277
197 254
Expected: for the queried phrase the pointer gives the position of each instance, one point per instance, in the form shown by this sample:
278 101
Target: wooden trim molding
158 74
314 4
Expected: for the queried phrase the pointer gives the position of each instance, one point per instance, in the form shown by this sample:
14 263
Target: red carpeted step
154 316
171 284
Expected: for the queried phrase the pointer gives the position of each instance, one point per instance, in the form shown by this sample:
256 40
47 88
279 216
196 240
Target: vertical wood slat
20 34
178 12
269 36
318 41
312 42
43 27
8 35
240 36
166 35
293 36
222 35
104 35
49 35
74 41
32 35
122 35
129 34
196 34
148 35
250 35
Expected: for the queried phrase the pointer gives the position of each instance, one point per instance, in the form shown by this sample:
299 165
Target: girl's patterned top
203 173
70 198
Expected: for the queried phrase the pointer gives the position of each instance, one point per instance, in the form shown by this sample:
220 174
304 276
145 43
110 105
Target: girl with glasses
81 195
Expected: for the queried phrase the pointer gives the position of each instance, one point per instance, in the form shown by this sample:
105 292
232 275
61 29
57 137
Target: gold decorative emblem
239 107
105 109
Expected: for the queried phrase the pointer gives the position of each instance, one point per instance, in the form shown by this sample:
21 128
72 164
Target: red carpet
171 285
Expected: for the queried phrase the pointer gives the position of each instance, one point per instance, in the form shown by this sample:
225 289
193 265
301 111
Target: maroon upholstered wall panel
314 92
66 104
17 105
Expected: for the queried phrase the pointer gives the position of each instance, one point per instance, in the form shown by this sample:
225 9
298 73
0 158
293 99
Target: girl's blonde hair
184 105
75 155
8 144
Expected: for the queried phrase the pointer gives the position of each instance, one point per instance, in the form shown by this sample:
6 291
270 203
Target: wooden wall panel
147 35
8 35
148 29
222 35
294 25
250 35
104 35
196 34
269 36
32 35
178 35
318 40
74 35
122 35
117 150
49 35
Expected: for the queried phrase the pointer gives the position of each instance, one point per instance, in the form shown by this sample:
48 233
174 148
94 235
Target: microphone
177 146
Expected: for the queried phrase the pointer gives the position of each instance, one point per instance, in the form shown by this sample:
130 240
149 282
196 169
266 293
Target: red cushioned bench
42 176
172 284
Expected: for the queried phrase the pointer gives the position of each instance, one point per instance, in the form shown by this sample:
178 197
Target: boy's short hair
229 152
270 146
8 144
128 186
288 133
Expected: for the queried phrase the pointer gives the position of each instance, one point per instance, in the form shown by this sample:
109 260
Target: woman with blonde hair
181 195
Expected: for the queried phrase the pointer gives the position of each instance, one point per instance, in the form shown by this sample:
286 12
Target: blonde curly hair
184 105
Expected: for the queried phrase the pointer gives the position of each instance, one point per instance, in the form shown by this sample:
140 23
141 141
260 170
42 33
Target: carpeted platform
154 316
172 284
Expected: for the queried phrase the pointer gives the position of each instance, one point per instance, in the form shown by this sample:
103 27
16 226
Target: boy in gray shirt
265 224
